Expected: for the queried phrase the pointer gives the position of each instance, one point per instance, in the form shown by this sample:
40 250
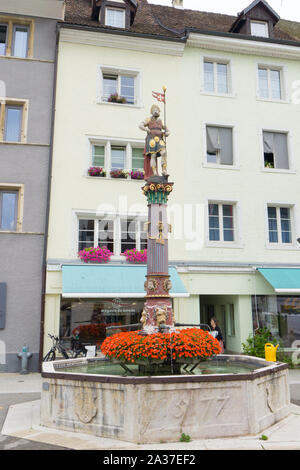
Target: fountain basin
153 409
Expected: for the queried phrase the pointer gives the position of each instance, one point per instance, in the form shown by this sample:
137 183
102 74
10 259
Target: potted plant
135 256
95 255
119 173
96 171
269 165
115 98
137 174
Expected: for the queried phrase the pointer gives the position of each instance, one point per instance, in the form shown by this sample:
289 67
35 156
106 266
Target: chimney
177 3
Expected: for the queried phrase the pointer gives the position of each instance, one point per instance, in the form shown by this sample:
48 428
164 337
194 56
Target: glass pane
214 235
137 159
3 31
20 41
128 234
263 83
106 234
86 234
228 235
8 210
118 158
272 212
127 89
273 227
213 209
110 85
273 237
115 18
13 124
98 155
284 213
227 210
213 212
209 84
275 84
286 234
222 78
212 157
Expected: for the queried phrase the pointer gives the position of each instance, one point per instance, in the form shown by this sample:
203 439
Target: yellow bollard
270 352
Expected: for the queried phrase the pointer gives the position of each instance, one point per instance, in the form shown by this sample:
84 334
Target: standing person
218 333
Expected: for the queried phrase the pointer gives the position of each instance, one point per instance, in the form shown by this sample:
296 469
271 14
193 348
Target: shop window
219 145
280 315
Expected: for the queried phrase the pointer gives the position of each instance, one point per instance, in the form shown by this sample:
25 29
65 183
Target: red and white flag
158 96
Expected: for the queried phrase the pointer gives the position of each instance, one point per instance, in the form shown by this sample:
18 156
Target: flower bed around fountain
168 350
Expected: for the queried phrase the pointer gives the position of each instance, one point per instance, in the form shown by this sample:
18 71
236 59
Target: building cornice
130 42
244 46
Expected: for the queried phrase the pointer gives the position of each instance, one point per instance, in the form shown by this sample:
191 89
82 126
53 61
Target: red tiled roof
169 22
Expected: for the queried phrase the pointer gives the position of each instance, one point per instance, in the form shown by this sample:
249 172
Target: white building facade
233 112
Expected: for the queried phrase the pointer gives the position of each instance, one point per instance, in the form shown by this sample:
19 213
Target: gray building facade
27 78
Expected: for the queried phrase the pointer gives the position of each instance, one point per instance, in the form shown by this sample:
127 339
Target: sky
286 9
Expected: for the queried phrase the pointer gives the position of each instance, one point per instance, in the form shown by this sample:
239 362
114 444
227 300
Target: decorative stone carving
85 404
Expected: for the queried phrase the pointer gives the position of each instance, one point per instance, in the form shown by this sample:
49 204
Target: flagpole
165 112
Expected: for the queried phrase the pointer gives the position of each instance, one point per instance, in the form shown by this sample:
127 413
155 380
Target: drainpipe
44 266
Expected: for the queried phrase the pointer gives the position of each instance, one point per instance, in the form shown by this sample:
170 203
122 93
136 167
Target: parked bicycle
77 349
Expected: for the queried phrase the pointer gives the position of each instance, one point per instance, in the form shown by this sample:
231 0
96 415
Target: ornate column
158 313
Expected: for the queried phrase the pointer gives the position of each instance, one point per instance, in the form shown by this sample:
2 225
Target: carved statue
155 143
143 318
161 316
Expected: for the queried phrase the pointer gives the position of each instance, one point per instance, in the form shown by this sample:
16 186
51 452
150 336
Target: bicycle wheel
50 356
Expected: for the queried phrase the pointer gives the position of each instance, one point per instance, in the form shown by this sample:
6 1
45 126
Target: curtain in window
20 41
219 140
276 143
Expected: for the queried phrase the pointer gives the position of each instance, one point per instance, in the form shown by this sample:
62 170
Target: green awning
90 281
283 280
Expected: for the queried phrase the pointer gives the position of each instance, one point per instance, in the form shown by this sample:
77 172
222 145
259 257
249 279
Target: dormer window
259 28
115 17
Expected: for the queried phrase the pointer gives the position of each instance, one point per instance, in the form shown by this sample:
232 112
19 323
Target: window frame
236 231
280 244
259 22
116 218
120 71
11 23
108 143
222 61
219 165
122 10
290 155
272 67
12 102
19 190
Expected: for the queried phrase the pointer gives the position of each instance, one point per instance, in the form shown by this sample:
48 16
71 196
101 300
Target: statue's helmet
154 108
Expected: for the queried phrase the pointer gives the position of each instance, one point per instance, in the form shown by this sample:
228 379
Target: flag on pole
158 96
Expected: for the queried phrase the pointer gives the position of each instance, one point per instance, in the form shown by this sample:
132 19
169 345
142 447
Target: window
279 225
98 155
216 77
110 156
16 37
118 158
20 41
13 115
115 17
8 209
260 28
275 150
118 88
219 145
269 83
118 233
137 159
221 222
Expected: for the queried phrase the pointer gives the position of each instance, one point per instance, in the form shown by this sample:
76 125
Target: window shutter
2 304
